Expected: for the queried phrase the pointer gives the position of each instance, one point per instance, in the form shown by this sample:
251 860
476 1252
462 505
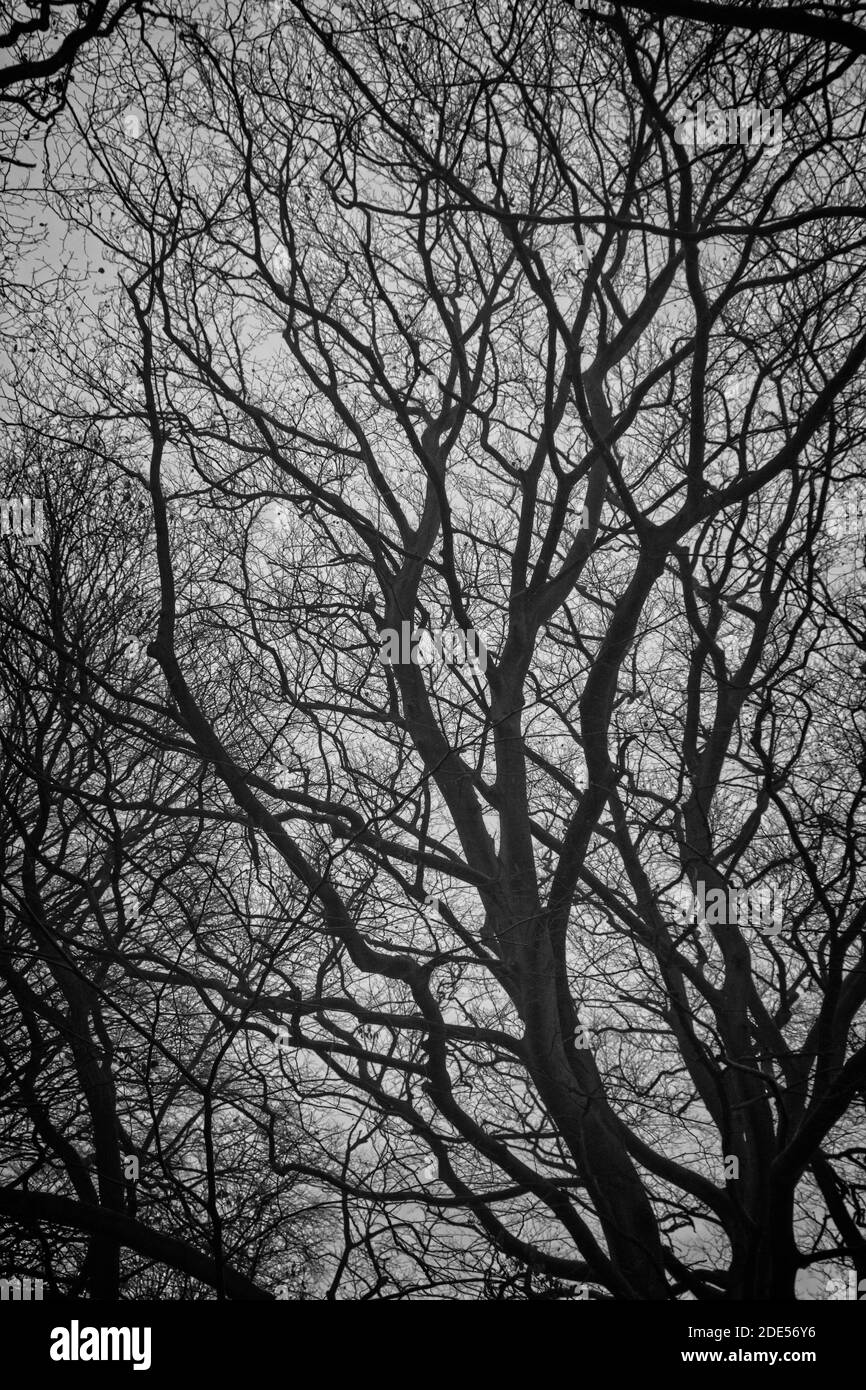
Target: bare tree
126 1116
463 320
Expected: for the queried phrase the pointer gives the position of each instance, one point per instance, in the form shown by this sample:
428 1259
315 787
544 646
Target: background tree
126 1119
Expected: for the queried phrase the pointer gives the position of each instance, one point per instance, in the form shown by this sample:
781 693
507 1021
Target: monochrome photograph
432 716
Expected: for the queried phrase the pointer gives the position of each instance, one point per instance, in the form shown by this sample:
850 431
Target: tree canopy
380 958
